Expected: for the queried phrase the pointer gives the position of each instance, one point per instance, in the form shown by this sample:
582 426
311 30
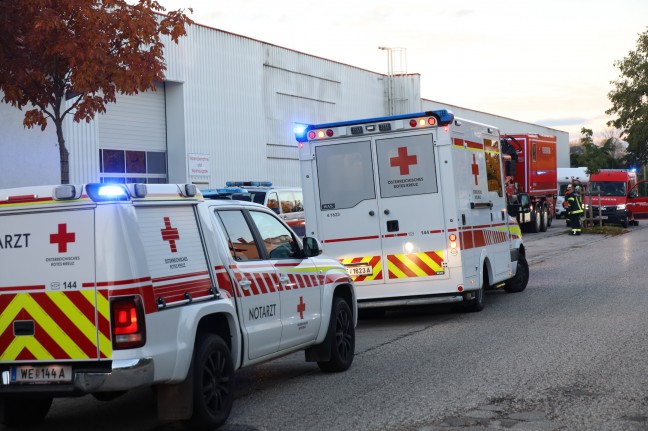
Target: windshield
608 188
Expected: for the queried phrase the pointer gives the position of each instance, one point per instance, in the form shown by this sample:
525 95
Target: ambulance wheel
477 303
341 336
213 385
21 412
519 282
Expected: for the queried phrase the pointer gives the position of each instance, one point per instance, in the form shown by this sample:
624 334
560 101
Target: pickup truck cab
105 288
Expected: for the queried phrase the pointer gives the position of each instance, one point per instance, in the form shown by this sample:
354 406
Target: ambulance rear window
345 175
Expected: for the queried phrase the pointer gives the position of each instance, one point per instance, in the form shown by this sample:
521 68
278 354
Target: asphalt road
568 353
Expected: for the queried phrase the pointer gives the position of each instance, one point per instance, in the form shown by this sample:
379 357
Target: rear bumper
123 375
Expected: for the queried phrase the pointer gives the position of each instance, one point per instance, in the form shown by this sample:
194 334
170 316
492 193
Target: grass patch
604 230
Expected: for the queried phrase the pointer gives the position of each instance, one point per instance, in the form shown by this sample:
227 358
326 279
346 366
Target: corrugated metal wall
237 100
243 98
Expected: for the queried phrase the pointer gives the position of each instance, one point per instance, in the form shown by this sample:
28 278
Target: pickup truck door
255 289
299 288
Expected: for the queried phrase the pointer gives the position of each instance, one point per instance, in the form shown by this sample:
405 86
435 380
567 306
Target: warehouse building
226 111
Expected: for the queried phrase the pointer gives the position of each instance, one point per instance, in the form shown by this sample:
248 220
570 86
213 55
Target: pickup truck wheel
213 385
519 282
341 334
24 412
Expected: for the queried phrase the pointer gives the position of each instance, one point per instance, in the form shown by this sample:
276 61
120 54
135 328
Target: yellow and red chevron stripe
64 325
374 261
482 236
422 264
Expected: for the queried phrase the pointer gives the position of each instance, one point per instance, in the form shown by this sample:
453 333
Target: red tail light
127 323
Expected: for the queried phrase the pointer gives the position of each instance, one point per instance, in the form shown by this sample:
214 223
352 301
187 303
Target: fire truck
414 206
531 178
106 288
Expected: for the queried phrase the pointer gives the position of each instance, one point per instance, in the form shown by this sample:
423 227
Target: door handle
386 212
245 283
371 213
285 280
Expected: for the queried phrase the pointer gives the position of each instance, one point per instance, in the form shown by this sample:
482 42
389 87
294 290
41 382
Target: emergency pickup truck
106 288
414 206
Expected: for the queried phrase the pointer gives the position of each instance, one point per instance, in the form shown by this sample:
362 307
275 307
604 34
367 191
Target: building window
129 166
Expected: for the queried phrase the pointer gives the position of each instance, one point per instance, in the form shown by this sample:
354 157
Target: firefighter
575 210
565 204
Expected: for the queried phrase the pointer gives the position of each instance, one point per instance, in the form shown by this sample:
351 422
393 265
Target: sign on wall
198 165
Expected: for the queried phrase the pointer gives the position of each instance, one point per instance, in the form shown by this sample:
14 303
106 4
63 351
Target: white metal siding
135 122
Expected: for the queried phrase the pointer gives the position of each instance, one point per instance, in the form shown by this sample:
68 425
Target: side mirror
312 247
632 195
513 209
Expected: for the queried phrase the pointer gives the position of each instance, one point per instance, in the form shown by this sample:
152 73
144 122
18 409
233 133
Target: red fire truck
531 178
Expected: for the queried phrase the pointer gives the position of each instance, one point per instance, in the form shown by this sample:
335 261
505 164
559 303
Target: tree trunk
63 153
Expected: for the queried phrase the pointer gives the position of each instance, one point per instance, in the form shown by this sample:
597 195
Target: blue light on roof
107 192
443 116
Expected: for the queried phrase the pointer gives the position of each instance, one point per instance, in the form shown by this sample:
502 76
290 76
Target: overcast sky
548 62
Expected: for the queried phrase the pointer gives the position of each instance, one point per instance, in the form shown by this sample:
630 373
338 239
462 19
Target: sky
548 62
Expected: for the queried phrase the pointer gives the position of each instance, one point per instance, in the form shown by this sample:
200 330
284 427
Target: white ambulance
106 288
414 206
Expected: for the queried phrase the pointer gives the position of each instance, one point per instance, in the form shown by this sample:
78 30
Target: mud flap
175 401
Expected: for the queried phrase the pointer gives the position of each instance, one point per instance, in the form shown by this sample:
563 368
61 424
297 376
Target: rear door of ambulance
52 315
381 211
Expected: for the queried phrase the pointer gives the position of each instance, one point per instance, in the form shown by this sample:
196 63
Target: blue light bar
248 183
107 192
443 117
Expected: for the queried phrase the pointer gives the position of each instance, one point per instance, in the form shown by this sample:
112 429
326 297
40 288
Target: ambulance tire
341 336
477 303
519 282
22 412
213 385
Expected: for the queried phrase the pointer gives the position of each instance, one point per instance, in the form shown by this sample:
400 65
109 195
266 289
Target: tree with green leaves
596 157
71 57
630 101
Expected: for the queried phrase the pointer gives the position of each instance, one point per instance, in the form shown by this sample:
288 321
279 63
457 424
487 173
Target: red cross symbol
403 161
62 237
475 168
301 307
170 234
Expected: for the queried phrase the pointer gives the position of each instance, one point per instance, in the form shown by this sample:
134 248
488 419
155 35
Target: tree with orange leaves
60 57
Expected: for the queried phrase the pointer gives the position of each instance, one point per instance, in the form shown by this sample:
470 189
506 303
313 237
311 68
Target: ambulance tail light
454 245
127 323
107 192
423 122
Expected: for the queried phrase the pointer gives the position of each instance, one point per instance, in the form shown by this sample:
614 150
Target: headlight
586 206
621 206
